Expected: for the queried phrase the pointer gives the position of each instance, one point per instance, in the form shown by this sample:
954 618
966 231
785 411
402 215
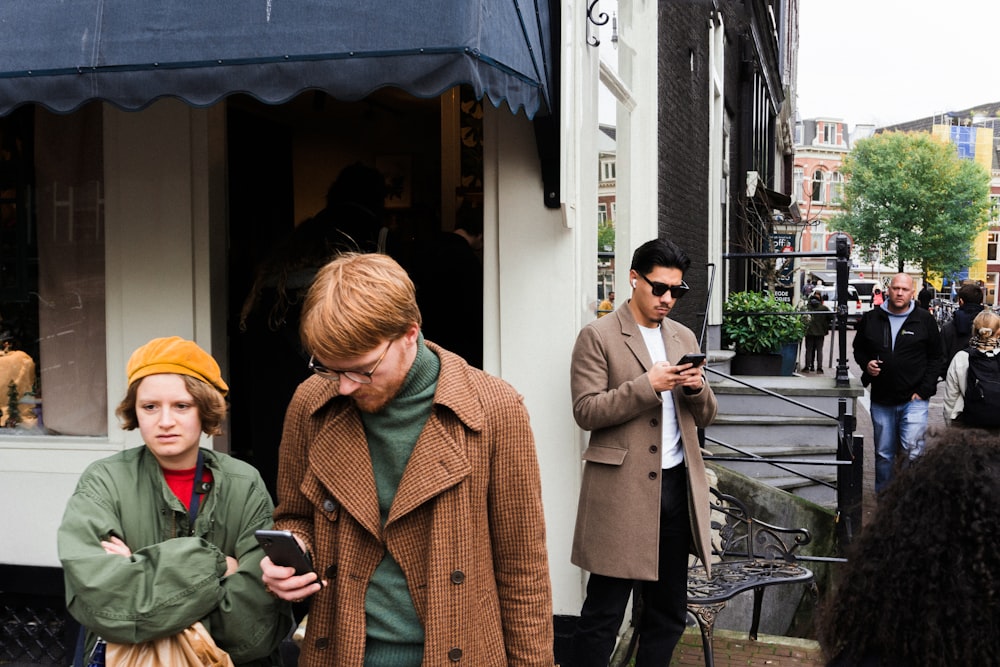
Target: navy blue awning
63 53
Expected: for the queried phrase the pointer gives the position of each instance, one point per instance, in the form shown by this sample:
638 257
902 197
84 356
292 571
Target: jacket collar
633 337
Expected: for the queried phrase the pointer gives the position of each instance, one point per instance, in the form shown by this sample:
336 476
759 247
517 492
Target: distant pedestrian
819 325
956 332
808 289
920 586
607 305
448 276
926 296
982 360
877 298
898 347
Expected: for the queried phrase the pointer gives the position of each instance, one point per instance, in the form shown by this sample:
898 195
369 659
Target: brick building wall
683 144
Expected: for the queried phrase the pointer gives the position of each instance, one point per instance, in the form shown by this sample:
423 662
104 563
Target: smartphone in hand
283 549
692 358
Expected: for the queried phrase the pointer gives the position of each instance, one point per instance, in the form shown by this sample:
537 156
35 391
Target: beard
373 398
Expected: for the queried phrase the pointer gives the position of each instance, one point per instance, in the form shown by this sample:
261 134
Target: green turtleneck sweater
395 637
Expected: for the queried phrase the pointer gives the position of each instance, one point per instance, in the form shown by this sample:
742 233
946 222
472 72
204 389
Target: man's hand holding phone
287 569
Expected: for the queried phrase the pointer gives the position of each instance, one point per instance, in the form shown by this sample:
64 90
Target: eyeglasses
659 289
360 377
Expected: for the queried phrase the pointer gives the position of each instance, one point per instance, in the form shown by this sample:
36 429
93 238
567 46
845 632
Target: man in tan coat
412 479
644 498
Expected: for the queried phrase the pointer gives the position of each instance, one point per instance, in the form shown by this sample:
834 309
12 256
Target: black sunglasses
659 289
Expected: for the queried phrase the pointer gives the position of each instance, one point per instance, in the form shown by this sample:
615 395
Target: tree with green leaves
605 236
911 196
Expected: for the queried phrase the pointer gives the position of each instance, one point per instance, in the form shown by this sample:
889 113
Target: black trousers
664 601
814 351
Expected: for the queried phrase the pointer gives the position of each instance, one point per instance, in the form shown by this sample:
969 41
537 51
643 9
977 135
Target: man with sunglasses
411 479
644 498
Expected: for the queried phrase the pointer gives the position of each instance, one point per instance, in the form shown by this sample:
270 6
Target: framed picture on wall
398 173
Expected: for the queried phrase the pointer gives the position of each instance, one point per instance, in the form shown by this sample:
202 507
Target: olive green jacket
172 579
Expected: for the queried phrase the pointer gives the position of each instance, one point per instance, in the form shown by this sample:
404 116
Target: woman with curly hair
922 584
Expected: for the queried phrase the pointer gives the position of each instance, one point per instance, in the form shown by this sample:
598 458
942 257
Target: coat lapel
438 463
633 337
340 460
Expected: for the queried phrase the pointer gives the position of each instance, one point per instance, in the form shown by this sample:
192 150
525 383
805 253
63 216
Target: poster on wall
784 267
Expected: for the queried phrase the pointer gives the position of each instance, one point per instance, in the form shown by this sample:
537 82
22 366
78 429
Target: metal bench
750 555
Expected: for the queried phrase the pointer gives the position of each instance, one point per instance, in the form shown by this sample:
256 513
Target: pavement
935 416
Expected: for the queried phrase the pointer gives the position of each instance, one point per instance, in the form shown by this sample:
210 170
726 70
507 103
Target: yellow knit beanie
175 355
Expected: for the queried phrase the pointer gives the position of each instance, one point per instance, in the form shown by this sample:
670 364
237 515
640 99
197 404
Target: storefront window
52 324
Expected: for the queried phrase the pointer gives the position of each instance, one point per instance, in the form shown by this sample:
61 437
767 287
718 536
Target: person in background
607 305
898 348
956 332
448 276
412 479
809 287
926 296
269 319
935 531
877 298
819 326
158 537
644 497
984 343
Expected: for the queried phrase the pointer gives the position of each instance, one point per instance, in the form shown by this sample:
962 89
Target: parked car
865 287
854 307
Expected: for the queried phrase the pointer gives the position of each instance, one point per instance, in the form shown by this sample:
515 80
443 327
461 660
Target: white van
854 310
866 287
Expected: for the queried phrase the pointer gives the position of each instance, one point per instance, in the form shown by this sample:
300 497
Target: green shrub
759 334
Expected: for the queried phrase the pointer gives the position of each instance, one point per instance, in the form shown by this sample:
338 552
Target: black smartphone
691 358
283 549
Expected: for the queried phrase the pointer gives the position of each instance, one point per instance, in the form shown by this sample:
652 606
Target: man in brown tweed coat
412 480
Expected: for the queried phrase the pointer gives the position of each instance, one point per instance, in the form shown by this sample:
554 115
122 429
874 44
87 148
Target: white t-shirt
672 453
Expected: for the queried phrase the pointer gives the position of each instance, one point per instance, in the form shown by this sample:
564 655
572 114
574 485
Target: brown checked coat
466 524
617 522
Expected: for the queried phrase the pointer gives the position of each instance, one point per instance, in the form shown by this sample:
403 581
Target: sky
891 61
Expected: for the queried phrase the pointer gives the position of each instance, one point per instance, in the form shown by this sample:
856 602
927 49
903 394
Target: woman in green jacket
156 538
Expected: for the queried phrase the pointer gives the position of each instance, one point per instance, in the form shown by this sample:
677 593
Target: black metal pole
843 268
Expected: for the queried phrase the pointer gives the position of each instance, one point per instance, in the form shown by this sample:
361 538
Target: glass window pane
52 324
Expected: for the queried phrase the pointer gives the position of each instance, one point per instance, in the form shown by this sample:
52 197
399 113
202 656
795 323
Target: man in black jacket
898 348
956 332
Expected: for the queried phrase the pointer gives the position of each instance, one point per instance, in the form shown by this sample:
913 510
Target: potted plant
755 325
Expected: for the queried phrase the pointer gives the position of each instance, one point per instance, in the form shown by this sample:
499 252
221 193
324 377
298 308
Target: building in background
976 134
821 144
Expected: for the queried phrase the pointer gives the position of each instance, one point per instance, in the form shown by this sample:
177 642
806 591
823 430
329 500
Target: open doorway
286 165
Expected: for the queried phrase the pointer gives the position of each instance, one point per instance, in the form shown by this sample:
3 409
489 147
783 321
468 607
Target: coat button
331 572
652 449
455 654
654 422
322 643
652 475
457 577
329 505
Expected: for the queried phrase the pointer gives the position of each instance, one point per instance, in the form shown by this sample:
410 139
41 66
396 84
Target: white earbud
633 283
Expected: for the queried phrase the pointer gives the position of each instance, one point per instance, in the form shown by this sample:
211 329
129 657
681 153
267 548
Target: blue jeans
897 426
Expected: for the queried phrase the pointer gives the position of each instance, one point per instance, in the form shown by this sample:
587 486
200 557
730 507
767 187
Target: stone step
752 430
781 450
